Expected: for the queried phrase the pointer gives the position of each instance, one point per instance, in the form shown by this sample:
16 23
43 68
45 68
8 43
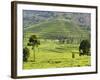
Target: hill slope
54 28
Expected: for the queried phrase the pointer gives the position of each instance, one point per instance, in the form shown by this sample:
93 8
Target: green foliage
25 54
85 47
33 41
32 38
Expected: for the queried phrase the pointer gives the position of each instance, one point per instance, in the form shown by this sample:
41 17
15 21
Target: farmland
52 54
60 35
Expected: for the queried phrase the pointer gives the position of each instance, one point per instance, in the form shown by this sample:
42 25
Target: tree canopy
85 46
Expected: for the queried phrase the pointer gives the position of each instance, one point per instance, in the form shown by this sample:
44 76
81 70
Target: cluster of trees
65 38
34 43
84 47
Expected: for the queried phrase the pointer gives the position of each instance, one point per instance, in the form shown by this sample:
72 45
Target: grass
51 54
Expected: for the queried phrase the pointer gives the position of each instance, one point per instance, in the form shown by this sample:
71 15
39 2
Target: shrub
25 54
84 47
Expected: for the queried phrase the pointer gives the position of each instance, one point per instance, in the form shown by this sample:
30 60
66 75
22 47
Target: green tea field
51 54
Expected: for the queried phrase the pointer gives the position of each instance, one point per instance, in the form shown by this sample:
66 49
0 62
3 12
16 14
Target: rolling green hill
54 28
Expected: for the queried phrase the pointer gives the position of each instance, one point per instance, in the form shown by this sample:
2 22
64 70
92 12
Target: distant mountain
53 25
34 17
31 17
58 28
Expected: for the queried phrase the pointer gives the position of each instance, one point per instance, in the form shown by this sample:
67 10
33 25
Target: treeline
66 38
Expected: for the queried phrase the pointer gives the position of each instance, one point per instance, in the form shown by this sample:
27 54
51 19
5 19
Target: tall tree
34 42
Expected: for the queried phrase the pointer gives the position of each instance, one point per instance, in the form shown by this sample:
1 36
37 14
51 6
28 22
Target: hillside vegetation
59 37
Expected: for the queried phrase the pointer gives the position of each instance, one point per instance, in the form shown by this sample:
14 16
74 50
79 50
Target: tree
34 42
25 54
84 47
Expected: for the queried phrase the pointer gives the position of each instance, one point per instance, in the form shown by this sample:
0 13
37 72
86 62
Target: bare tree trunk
33 53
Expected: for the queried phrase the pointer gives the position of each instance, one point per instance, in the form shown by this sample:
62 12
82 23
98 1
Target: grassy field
52 28
52 54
